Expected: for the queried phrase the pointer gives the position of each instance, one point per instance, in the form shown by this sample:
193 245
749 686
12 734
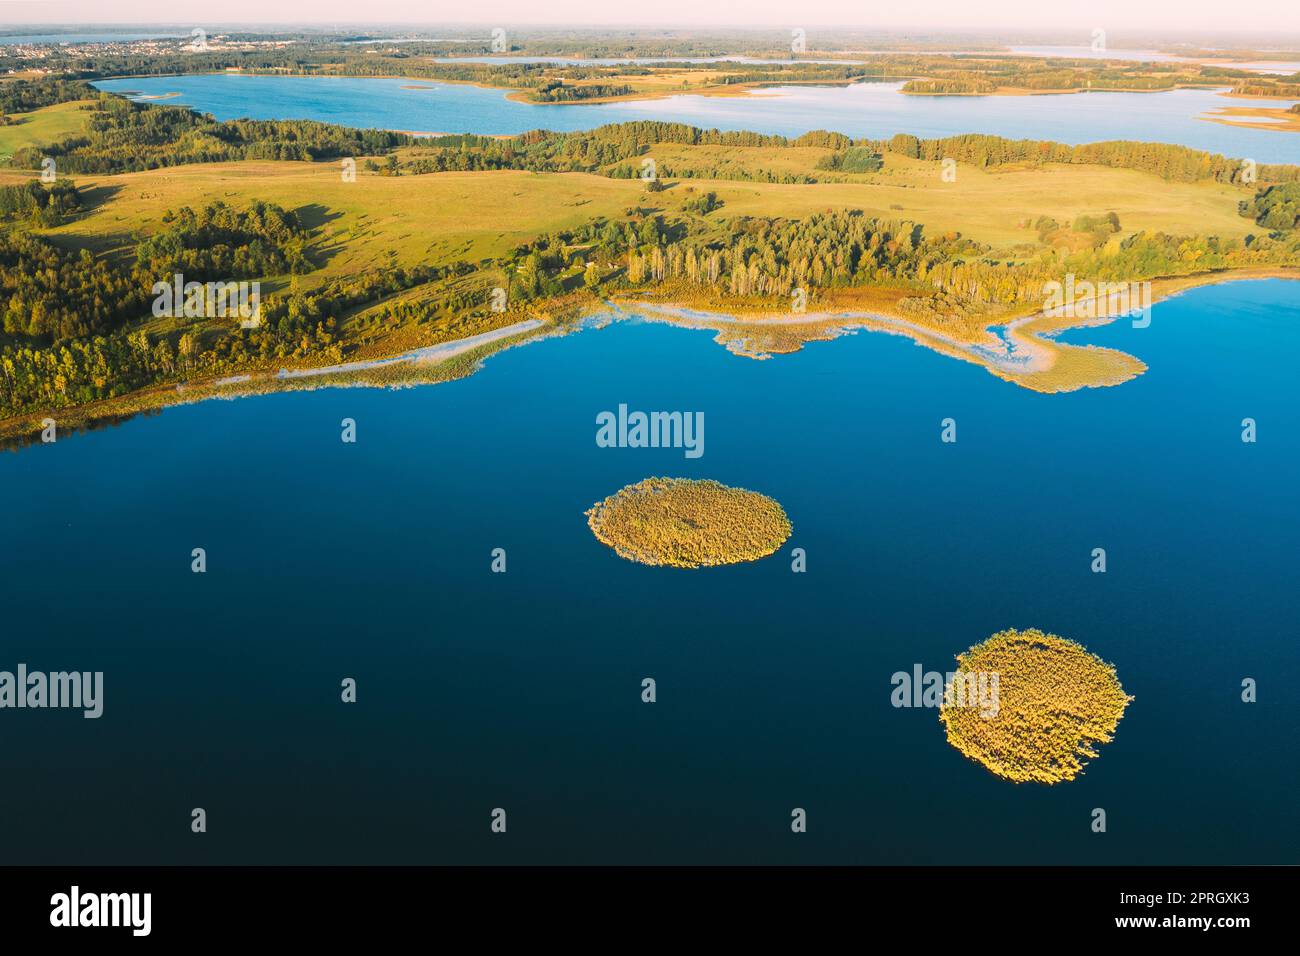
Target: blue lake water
861 110
522 691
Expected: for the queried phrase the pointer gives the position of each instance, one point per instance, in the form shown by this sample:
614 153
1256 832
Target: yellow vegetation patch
1073 367
1055 702
1256 117
684 523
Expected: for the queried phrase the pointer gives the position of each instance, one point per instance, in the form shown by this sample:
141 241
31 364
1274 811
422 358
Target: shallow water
478 690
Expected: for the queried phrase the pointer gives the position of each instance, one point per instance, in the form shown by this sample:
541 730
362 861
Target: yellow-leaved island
1055 703
685 523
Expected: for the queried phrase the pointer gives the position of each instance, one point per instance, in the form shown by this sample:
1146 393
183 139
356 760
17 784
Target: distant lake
34 38
861 110
1150 56
522 690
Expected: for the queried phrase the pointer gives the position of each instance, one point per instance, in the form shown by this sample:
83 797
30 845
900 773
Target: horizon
1167 18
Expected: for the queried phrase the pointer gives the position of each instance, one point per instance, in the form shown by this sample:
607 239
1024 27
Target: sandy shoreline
430 353
1020 348
1013 353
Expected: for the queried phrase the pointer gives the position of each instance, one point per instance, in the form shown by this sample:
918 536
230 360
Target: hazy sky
1174 16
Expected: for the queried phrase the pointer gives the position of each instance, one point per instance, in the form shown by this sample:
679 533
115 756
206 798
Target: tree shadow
315 217
95 195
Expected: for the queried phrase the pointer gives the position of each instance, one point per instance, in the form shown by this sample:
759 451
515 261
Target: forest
1275 208
51 294
23 96
38 205
598 149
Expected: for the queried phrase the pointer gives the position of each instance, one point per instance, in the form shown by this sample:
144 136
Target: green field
987 206
473 215
41 127
437 218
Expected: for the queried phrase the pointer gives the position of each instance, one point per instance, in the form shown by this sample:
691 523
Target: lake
522 690
875 110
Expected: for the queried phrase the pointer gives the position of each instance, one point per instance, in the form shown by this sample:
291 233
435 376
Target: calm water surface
522 690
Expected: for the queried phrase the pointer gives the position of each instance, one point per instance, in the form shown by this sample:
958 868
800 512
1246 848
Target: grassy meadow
41 127
995 207
443 217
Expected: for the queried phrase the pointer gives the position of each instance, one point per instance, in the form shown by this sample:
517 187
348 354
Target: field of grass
48 125
436 218
993 207
403 220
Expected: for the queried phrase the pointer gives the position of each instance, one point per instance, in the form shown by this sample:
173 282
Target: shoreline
1024 353
1020 348
443 361
429 353
1019 355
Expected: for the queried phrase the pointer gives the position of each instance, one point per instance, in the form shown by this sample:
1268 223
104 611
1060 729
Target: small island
1056 701
685 523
